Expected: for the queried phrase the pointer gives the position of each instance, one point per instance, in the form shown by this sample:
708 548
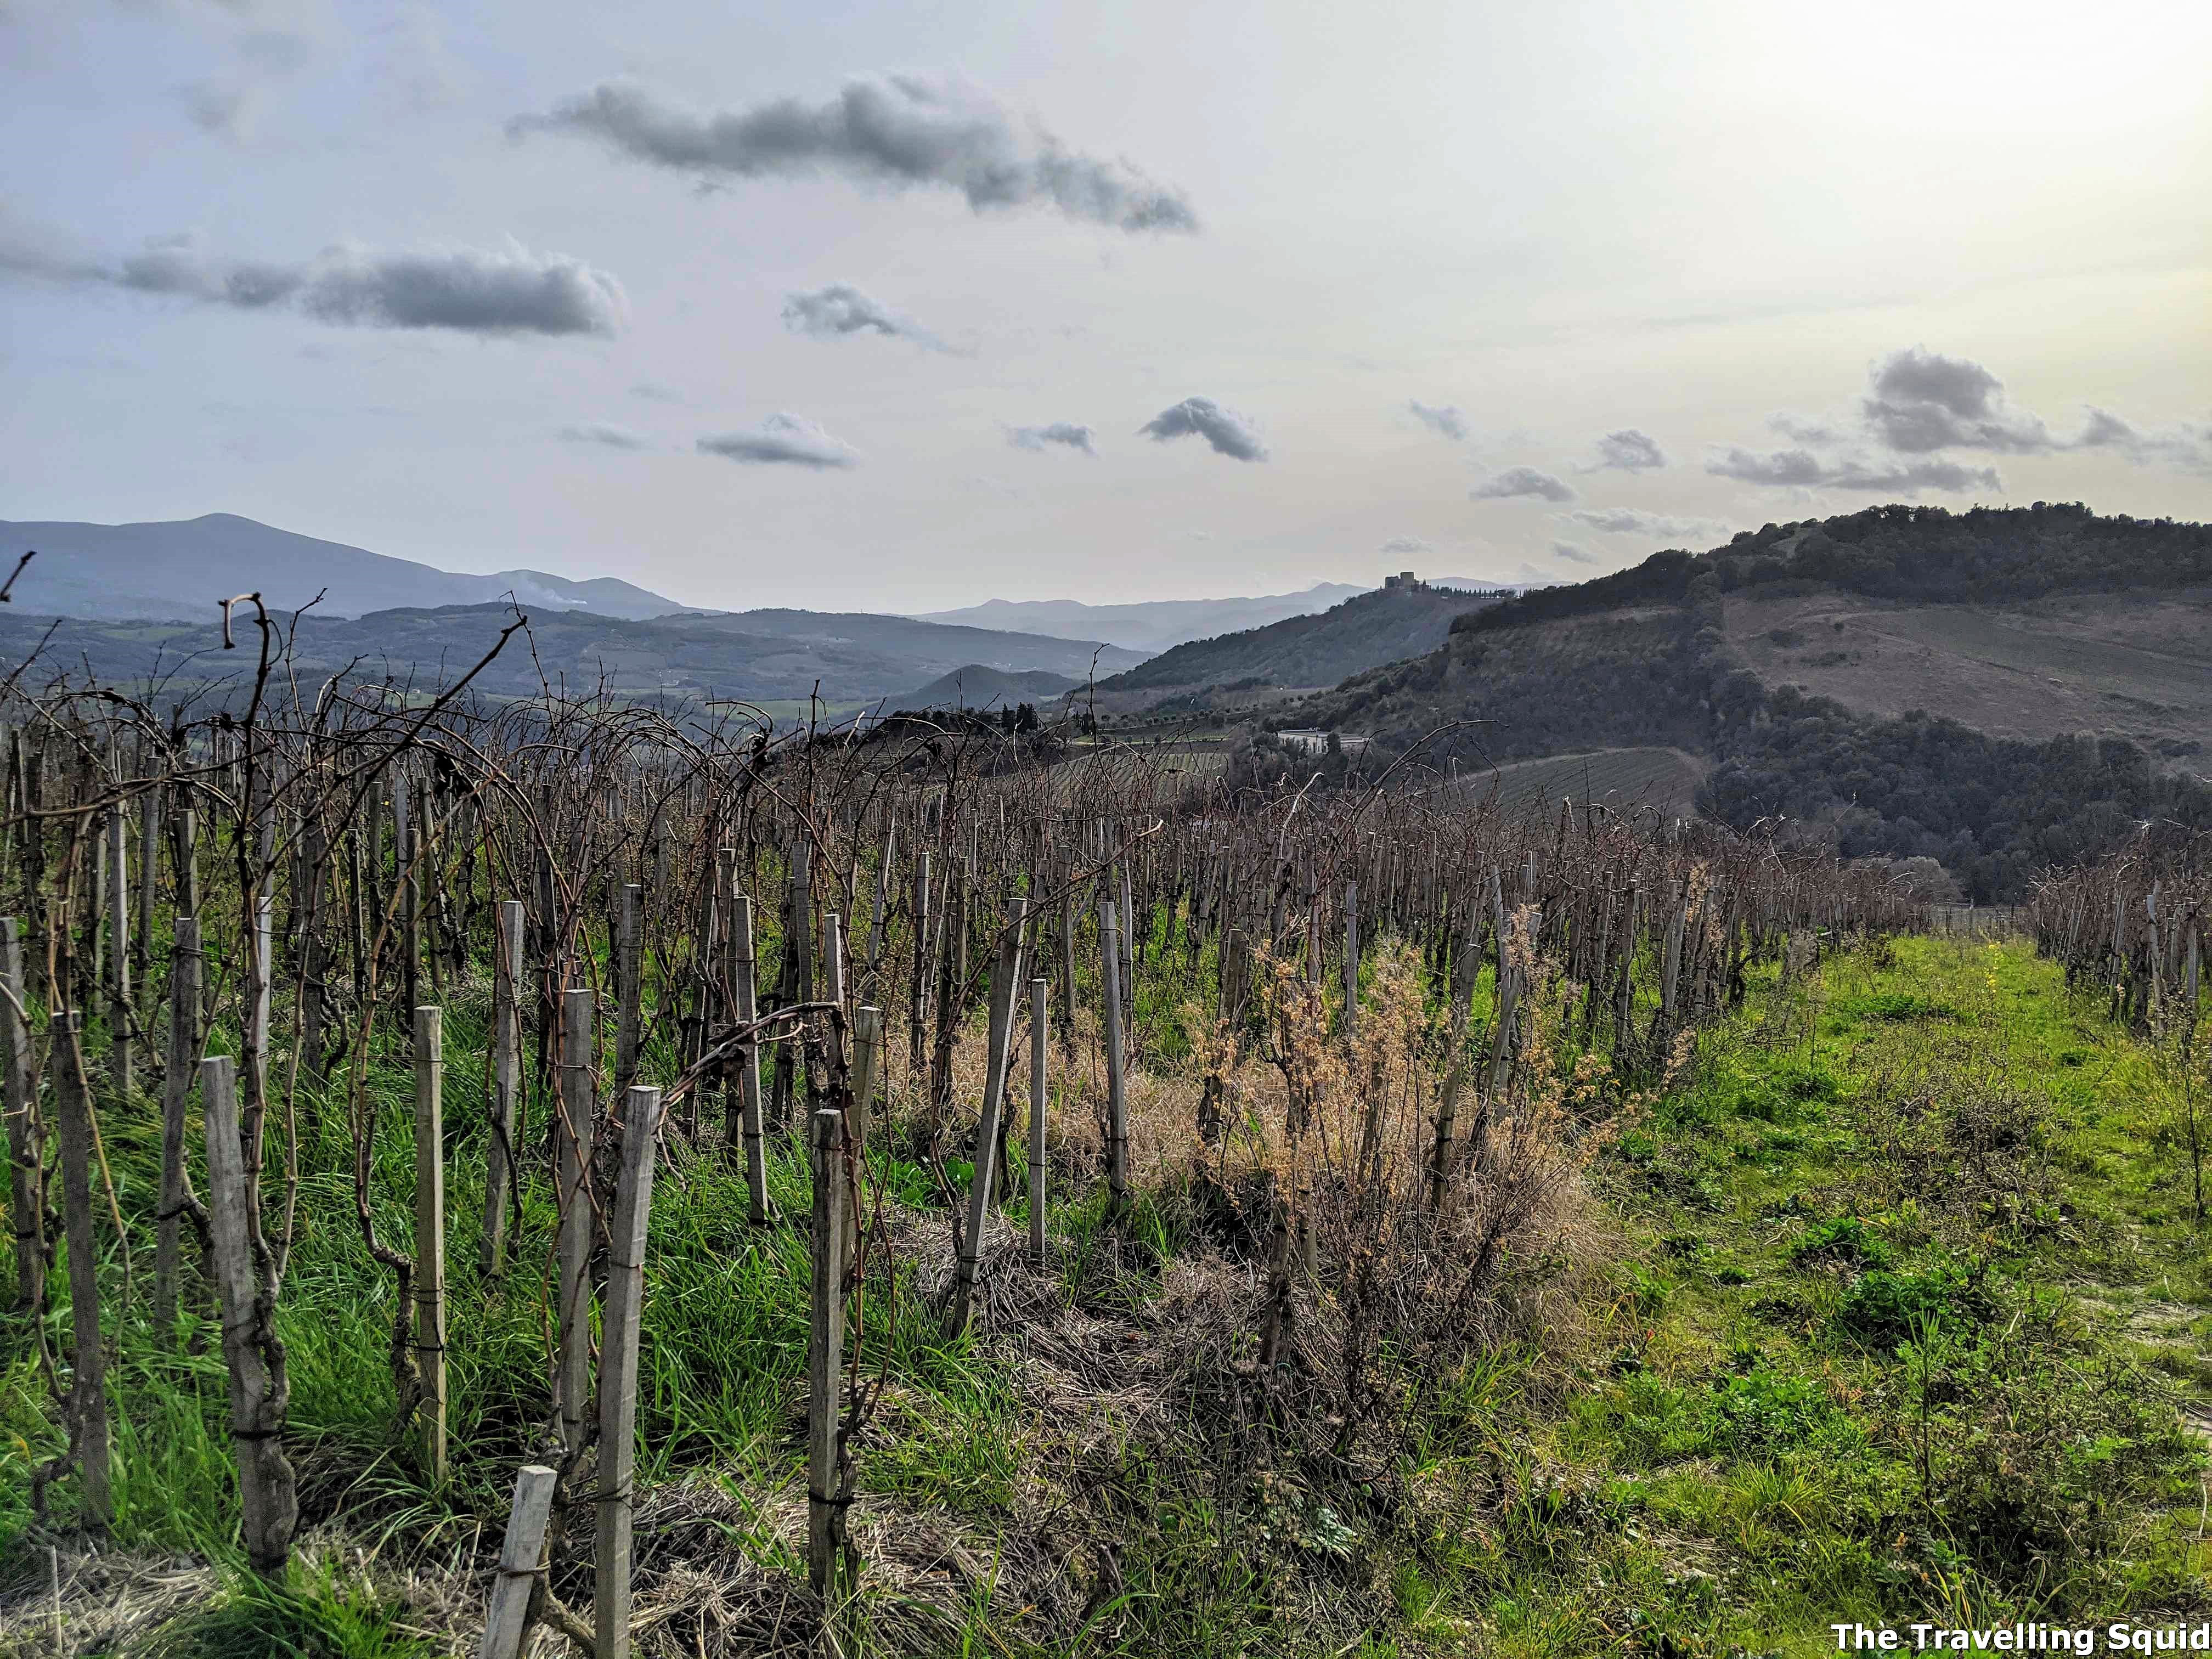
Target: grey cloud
840 308
471 291
1923 401
224 109
787 439
2187 445
653 392
897 129
1802 469
1629 451
1228 432
1800 430
1521 481
1066 434
605 434
1572 554
1407 544
1634 521
1446 421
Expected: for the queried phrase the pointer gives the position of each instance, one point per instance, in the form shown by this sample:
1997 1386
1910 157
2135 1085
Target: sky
858 307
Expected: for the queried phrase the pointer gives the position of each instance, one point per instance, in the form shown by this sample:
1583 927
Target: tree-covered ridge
1927 554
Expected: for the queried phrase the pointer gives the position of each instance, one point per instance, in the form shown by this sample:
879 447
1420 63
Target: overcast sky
864 307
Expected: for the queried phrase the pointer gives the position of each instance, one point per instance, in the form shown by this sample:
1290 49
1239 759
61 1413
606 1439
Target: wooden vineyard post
920 1006
1351 960
257 1389
618 1372
867 1059
1005 976
119 954
745 998
629 983
25 1148
521 1564
1463 992
1117 1104
572 1170
825 1354
177 1201
89 1375
1040 989
430 1284
505 1065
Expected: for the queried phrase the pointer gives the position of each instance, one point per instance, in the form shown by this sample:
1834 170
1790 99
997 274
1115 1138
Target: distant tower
1403 579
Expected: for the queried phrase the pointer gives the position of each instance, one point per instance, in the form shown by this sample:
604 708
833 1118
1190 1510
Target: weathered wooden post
119 954
825 1354
505 1065
258 1395
625 1295
1117 1105
1005 976
521 1564
572 1189
429 1282
629 983
88 1397
744 999
185 963
1040 990
1351 960
26 1137
868 1058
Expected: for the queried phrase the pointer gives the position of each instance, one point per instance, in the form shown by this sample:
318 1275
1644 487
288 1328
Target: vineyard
507 1177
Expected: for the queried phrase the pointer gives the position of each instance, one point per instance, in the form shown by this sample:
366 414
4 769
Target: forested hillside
1645 656
1385 626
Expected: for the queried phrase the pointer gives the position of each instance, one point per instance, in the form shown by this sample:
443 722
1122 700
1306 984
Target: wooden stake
825 1355
744 1007
1040 990
629 983
430 1284
625 1296
26 1136
572 1186
186 964
506 1081
257 1392
1117 1105
521 1564
119 954
88 1362
1005 976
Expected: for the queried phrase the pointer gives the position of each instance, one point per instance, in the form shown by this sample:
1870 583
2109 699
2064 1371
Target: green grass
1903 1287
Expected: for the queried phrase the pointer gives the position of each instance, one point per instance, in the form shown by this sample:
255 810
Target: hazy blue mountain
183 567
1147 625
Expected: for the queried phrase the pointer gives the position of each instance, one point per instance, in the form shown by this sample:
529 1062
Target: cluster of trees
1996 812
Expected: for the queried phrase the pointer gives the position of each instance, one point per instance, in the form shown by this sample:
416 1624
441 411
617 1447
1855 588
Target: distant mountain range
754 656
1150 624
183 567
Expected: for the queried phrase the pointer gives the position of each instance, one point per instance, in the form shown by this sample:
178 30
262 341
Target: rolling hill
1383 626
760 656
1998 690
184 567
974 686
1148 625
